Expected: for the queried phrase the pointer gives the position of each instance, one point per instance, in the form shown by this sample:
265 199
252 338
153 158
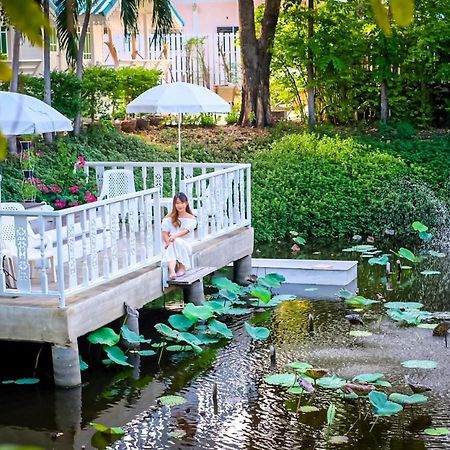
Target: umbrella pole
179 151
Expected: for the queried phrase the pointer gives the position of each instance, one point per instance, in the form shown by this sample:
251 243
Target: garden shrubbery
327 186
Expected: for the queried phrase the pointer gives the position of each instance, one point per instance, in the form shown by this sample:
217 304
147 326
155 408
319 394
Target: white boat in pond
308 271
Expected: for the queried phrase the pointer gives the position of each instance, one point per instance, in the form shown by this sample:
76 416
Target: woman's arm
166 238
181 233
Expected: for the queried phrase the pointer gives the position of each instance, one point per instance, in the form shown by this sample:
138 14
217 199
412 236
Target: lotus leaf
194 313
381 406
220 328
333 382
316 373
344 294
403 305
263 294
369 377
206 339
113 431
437 431
409 316
271 280
359 300
428 326
331 414
360 333
381 260
146 352
181 322
402 399
236 311
299 366
83 365
228 295
189 338
382 383
407 254
419 226
358 388
425 236
116 355
225 283
360 248
281 379
179 348
430 272
132 337
297 390
308 409
166 331
299 240
257 333
22 381
104 336
172 400
420 364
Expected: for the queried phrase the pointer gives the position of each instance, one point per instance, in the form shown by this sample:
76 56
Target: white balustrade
96 242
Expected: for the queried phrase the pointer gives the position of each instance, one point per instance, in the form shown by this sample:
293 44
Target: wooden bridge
108 252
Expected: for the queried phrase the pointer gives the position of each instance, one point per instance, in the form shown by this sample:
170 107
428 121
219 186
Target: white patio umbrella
178 98
23 114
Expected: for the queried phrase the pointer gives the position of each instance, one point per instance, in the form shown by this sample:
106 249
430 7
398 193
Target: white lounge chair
117 182
8 245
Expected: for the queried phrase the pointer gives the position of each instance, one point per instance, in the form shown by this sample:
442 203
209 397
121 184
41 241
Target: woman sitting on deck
177 230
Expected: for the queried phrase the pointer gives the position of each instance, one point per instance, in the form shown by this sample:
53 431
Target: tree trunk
310 68
14 83
79 69
47 75
384 102
256 58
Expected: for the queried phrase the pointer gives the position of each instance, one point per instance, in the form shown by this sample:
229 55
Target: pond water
249 413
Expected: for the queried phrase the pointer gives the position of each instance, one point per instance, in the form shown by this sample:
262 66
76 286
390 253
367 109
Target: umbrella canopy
23 114
178 98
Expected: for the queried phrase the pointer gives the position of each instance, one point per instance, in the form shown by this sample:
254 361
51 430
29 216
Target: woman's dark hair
174 214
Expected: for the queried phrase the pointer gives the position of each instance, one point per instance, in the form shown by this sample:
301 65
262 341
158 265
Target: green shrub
332 187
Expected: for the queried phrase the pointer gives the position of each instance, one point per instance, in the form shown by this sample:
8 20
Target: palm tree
74 42
47 73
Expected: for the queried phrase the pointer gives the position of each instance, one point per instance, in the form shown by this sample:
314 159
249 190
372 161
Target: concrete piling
132 322
194 293
242 268
66 365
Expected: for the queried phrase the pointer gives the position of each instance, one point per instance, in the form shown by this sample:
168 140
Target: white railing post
60 262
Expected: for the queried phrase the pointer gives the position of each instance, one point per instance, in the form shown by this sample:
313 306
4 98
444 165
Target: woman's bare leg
181 270
171 265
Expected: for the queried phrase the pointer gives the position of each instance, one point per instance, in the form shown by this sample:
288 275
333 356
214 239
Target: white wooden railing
96 242
91 243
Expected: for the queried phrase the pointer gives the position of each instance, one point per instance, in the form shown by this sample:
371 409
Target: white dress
180 249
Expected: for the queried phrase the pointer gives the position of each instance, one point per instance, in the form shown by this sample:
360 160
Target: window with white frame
87 53
53 41
3 40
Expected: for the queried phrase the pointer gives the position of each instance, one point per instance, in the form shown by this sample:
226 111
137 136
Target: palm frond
129 12
66 26
162 18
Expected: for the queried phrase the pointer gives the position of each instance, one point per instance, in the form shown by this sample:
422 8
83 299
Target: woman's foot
172 276
180 272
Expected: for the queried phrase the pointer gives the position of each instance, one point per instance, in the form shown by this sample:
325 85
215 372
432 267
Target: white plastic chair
117 182
8 239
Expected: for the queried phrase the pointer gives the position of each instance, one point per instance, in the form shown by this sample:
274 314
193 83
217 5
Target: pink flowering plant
72 190
28 157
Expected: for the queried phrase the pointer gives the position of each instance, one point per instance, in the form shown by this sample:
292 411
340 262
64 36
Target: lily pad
333 382
83 365
369 377
116 355
146 352
402 399
181 322
381 406
263 294
300 366
177 434
407 254
409 316
220 328
132 337
338 440
194 313
437 431
225 283
381 260
359 300
419 226
425 236
104 336
281 379
308 409
403 305
436 254
360 333
113 431
420 364
312 289
22 381
171 400
257 333
428 326
297 390
430 272
360 248
165 330
271 280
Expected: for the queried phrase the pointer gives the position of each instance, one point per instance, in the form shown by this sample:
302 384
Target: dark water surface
250 414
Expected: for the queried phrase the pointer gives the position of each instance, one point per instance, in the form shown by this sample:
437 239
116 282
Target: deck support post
66 365
242 268
193 293
132 322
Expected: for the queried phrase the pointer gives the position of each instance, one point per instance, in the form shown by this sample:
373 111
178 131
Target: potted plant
28 190
28 158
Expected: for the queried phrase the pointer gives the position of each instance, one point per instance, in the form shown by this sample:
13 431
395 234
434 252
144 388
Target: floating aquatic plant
116 355
333 382
360 333
308 409
420 364
403 305
380 260
171 400
113 431
220 328
430 272
181 322
360 301
407 254
22 381
132 337
263 294
299 366
104 336
381 406
437 431
281 379
257 333
271 280
364 248
407 400
195 313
